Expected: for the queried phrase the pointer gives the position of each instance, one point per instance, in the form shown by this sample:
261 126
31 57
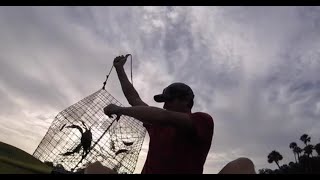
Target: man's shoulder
202 115
204 126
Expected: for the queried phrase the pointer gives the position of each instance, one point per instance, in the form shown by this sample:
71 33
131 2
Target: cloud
254 69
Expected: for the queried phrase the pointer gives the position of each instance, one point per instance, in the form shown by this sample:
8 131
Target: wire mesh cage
83 134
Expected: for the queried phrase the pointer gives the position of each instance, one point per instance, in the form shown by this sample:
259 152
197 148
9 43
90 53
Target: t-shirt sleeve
147 126
204 126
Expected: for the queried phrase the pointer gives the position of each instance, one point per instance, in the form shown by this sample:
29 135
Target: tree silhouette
308 150
307 162
298 151
305 139
275 156
265 171
317 148
292 146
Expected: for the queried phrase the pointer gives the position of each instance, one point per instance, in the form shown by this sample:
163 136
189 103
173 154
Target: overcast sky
255 70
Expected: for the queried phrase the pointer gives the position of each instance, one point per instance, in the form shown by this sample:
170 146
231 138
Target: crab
85 141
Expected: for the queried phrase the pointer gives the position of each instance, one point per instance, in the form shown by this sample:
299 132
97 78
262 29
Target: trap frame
115 143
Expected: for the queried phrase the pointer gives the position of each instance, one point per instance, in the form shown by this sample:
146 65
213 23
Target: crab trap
83 134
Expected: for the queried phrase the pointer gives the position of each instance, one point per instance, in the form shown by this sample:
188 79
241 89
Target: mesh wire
116 144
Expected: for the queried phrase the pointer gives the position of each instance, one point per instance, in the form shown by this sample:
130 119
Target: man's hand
119 61
112 109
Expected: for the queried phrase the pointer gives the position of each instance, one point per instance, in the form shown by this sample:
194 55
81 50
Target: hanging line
115 119
107 76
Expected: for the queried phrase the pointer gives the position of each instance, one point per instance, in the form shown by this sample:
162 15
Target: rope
117 117
107 76
131 68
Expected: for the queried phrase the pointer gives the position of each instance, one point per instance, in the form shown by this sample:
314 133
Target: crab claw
121 151
127 143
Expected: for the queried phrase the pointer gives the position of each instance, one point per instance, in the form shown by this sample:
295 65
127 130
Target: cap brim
159 98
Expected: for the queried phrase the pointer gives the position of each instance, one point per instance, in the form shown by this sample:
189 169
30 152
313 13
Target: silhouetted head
176 97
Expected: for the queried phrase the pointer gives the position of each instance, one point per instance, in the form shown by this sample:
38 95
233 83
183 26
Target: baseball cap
175 90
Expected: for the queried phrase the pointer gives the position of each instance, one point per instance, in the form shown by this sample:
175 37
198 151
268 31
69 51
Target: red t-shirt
172 151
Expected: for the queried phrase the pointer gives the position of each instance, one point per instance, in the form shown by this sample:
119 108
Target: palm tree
317 148
292 146
298 151
308 150
275 156
305 138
